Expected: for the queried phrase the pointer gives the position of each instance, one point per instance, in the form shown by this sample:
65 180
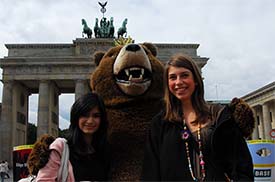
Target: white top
2 167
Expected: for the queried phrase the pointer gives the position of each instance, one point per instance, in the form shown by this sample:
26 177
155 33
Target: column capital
266 120
80 80
44 81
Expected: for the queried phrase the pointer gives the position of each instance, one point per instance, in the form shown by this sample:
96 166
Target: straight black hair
82 107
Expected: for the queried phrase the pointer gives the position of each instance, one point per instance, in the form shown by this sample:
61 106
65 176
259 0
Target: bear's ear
151 47
98 55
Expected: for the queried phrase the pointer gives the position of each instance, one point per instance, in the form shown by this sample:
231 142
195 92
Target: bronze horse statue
122 30
111 28
86 29
97 29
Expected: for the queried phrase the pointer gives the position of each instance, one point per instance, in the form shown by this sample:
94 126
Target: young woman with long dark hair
192 140
89 158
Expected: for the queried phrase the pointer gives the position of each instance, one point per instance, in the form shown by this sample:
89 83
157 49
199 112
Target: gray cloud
236 35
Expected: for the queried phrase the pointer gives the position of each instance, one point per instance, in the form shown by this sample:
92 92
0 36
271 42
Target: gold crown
123 41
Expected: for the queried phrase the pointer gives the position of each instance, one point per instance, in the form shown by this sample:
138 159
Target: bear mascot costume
129 79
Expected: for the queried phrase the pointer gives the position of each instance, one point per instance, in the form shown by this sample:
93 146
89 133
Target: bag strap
63 169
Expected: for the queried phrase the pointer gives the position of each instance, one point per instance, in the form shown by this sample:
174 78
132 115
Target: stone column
255 134
80 88
43 108
266 120
273 114
53 109
20 113
6 122
261 123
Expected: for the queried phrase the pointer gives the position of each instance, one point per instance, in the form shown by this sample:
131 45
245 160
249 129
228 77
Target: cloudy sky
237 35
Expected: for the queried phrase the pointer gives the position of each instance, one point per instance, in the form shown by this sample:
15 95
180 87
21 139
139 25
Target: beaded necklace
185 134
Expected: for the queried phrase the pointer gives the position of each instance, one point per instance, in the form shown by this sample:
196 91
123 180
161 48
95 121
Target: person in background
2 171
7 169
191 140
89 158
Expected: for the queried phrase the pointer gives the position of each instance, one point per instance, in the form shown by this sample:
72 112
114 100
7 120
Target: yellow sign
22 147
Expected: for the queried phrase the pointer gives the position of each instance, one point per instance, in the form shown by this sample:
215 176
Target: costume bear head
127 72
129 79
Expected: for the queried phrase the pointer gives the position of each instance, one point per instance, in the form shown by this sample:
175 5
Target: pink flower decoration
185 135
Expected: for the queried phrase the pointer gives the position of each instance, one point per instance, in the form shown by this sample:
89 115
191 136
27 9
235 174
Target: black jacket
225 151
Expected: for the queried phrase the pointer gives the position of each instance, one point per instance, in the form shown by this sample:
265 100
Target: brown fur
151 47
129 116
98 56
243 115
40 153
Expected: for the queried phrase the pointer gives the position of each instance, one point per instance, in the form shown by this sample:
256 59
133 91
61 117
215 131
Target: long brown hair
172 104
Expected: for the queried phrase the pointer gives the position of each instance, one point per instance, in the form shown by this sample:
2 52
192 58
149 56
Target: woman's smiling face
89 124
181 83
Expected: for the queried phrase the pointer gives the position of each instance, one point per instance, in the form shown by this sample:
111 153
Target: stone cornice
32 72
198 58
44 61
111 42
186 46
259 92
108 42
66 58
37 46
49 64
97 41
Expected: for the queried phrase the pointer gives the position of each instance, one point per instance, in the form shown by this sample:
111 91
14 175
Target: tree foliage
31 135
63 133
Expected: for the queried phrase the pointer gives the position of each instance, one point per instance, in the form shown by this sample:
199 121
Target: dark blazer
224 148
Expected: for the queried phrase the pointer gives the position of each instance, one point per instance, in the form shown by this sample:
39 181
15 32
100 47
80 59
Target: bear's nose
132 47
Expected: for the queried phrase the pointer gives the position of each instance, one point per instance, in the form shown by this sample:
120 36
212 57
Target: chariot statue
104 28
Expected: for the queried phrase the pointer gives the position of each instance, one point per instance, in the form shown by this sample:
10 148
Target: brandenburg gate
49 70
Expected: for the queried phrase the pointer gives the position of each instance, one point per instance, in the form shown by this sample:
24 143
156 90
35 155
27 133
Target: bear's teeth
134 68
136 79
142 71
127 72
